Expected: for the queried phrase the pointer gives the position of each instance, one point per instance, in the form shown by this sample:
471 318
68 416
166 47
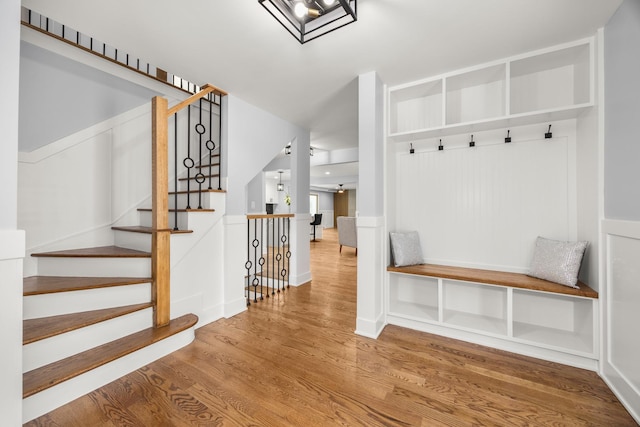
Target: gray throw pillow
557 261
406 249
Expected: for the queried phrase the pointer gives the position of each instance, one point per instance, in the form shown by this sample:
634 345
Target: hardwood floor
293 360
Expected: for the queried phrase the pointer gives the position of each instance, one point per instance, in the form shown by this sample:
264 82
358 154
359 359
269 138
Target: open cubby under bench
510 311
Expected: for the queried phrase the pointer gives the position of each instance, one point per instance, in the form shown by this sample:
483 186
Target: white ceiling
237 46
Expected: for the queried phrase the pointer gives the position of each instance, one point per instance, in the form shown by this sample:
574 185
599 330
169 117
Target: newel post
160 243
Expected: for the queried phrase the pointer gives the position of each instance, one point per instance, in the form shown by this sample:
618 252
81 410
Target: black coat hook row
507 138
548 134
440 147
472 143
411 150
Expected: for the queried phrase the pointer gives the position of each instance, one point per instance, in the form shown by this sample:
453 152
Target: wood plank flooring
293 360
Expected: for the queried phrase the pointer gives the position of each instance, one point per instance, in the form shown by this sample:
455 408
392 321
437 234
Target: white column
235 243
371 223
300 271
12 241
300 166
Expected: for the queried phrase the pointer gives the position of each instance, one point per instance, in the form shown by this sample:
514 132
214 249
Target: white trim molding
370 320
620 297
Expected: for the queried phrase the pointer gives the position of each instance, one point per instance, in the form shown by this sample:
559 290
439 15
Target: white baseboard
368 328
235 307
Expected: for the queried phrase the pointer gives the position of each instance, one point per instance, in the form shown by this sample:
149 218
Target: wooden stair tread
197 191
179 210
98 252
55 373
215 175
38 285
45 327
146 230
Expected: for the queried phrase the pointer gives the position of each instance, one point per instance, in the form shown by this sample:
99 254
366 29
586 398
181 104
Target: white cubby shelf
552 84
505 310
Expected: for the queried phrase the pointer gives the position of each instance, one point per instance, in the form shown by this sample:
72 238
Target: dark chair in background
317 220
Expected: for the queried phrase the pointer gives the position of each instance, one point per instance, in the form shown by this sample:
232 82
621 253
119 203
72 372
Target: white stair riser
207 200
46 305
193 184
54 397
136 241
52 349
90 267
183 222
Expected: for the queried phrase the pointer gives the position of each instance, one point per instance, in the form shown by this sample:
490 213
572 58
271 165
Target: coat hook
440 147
508 138
411 150
548 134
472 143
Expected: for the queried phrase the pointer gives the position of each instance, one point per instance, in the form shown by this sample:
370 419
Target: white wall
78 96
622 88
621 228
254 137
256 194
484 206
12 247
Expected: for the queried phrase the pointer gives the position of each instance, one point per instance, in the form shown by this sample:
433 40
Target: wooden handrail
161 234
259 216
206 90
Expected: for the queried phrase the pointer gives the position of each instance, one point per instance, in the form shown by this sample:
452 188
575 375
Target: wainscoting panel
621 298
485 206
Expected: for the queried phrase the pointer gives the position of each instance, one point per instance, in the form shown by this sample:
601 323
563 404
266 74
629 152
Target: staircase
91 315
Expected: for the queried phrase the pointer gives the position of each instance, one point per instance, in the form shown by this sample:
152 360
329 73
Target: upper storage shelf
550 84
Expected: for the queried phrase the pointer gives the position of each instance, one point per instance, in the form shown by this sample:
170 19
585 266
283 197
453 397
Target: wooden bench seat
492 277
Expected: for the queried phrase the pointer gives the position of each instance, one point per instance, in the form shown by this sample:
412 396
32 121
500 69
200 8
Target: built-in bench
500 278
510 311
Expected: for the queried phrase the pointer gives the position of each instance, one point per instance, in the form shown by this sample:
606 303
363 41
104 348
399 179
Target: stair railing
66 34
268 255
161 231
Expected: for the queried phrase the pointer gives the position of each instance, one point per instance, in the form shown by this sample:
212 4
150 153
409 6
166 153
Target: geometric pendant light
307 20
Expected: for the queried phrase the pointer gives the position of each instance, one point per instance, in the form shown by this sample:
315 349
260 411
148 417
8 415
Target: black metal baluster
220 144
188 161
288 253
273 256
266 234
261 260
200 176
210 144
175 171
278 257
247 265
283 272
255 245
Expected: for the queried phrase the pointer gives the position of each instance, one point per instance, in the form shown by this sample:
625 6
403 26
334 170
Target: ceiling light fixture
280 184
340 190
309 19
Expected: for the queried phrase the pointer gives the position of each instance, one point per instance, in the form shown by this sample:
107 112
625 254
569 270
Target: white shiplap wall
484 206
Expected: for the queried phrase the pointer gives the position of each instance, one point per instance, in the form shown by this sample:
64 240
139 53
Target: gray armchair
347 232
